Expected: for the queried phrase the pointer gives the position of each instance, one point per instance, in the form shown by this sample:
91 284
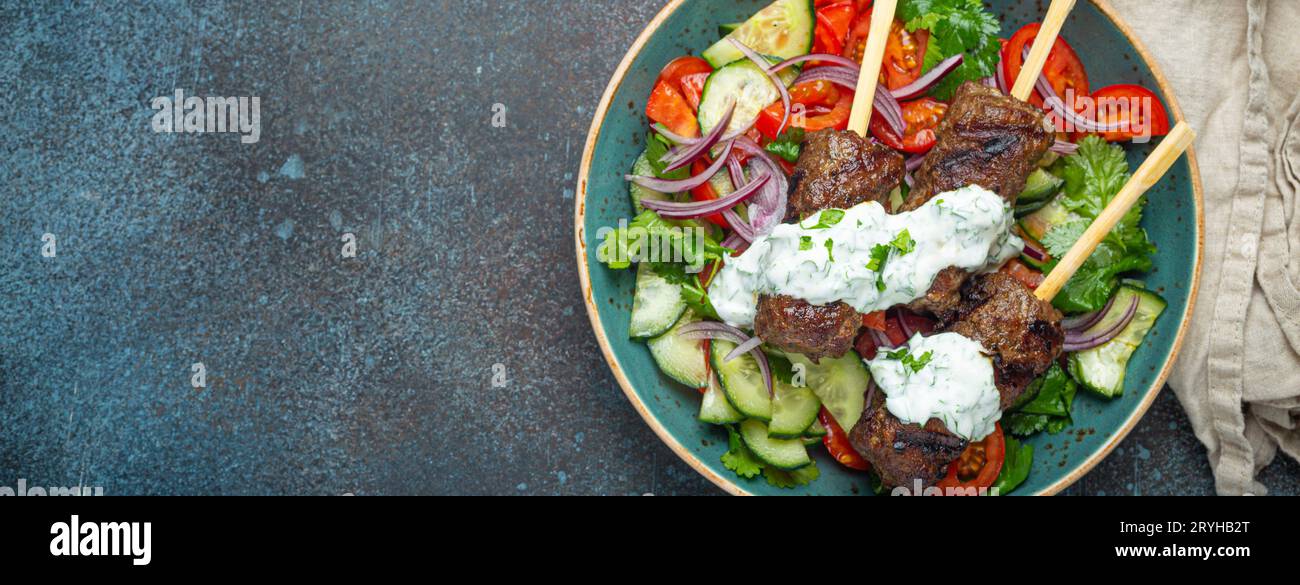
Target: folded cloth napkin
1233 66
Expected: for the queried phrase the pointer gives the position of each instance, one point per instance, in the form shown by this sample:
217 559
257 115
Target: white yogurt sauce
954 384
968 228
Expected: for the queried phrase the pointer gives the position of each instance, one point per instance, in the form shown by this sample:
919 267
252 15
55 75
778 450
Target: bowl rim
725 483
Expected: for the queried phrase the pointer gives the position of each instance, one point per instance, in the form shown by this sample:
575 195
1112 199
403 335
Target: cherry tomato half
1063 68
833 21
837 443
904 51
822 106
669 107
1140 108
1018 270
979 465
922 116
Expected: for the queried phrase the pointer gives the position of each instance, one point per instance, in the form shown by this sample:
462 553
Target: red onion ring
693 209
735 242
739 225
1081 341
768 208
740 350
765 66
670 186
1054 102
687 153
827 57
1063 147
883 101
1035 253
1082 322
913 162
925 82
716 330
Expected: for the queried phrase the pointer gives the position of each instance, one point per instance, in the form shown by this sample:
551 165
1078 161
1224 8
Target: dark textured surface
370 375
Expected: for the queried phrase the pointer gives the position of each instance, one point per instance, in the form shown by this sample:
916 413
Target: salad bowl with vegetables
716 175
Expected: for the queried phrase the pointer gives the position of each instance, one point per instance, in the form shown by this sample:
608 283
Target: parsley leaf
788 145
805 243
956 27
903 242
649 235
905 355
655 149
826 219
738 458
879 255
830 251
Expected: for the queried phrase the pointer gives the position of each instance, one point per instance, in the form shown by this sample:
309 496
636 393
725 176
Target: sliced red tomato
705 192
894 330
904 51
821 102
922 116
693 89
874 320
979 465
682 67
865 345
667 106
1063 68
833 21
837 443
1018 270
1140 108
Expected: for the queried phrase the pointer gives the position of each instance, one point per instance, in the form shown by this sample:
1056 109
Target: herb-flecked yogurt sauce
945 376
866 257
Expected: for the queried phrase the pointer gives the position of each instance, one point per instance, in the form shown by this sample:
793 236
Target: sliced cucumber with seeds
794 409
745 84
1038 187
1102 368
840 384
714 408
779 453
657 304
741 380
680 358
784 29
638 193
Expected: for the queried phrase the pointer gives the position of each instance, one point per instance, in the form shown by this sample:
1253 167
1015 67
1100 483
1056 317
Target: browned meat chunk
901 453
944 295
1022 332
813 330
839 169
986 139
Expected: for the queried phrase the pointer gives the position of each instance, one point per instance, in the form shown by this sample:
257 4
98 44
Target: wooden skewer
1052 23
1151 170
882 17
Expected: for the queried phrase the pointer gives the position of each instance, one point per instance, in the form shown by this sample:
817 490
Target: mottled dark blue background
326 375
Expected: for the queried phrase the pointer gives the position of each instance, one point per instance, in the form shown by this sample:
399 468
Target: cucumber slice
1038 187
1102 368
744 83
715 409
742 381
638 193
726 29
815 430
1048 216
657 304
810 441
840 384
682 359
794 409
779 453
784 29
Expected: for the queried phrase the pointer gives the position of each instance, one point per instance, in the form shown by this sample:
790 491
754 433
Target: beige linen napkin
1235 67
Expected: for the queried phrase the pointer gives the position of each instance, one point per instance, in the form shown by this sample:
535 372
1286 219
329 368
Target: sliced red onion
768 208
1083 322
1080 341
824 57
1054 102
693 209
907 178
1063 147
841 76
989 81
765 66
908 332
1002 79
871 391
687 153
735 242
716 330
676 138
1033 252
671 186
913 162
739 225
881 339
925 82
740 350
733 169
889 110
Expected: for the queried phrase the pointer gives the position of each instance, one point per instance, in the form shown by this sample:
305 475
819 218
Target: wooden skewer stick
882 17
1052 23
1151 170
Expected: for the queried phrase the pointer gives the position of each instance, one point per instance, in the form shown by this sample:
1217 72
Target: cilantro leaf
805 243
648 237
903 242
956 27
826 219
879 255
655 149
738 458
830 251
788 144
791 479
1061 237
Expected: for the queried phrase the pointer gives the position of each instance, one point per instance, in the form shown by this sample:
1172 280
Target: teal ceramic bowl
1173 218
